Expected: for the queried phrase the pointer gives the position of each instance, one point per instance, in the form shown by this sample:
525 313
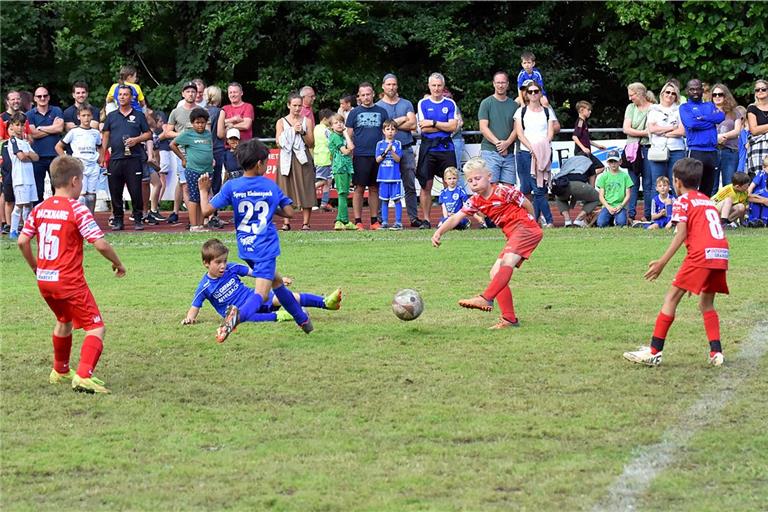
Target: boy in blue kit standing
389 151
452 197
222 287
255 200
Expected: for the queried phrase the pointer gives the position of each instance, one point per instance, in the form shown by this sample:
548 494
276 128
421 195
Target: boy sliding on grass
703 269
508 208
255 200
222 287
60 224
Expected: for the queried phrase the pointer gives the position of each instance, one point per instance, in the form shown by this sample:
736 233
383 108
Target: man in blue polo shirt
80 95
401 111
437 120
364 126
46 123
125 129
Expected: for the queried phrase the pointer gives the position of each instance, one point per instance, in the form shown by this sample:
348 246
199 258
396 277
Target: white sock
15 216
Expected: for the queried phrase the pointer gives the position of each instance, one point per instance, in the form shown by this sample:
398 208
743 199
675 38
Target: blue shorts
194 190
390 190
265 269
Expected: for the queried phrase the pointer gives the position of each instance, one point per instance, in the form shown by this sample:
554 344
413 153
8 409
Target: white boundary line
650 461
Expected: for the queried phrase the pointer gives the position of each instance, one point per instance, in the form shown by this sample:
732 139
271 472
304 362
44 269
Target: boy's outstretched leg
651 355
712 327
501 273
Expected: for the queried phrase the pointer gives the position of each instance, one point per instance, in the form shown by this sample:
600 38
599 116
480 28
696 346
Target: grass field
369 413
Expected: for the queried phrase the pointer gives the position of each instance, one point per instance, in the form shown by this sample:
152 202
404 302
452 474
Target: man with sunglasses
700 120
46 123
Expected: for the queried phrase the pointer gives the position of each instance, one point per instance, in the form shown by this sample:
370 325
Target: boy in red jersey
703 269
508 208
60 224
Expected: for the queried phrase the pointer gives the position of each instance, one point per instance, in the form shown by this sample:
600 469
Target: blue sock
288 301
250 308
310 300
384 211
324 199
398 212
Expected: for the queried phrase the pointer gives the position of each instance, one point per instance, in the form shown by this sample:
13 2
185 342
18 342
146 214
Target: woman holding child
638 142
666 131
296 174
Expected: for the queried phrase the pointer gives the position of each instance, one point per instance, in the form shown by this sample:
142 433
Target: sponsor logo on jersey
51 276
716 253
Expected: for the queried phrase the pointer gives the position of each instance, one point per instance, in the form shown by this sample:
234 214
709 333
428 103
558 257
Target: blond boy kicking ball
508 208
703 270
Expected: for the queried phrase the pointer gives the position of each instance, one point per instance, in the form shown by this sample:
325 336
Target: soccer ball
407 304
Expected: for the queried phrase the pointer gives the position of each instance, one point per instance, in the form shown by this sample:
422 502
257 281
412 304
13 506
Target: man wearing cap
80 95
178 121
124 131
308 96
401 111
497 124
46 123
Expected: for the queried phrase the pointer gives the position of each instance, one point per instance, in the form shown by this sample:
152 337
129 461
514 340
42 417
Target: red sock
711 325
499 282
62 347
660 330
89 356
507 307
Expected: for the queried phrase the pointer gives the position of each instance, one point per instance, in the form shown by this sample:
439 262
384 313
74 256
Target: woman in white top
535 125
666 131
296 174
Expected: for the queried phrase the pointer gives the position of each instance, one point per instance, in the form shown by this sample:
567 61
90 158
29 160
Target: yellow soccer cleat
57 378
91 385
333 301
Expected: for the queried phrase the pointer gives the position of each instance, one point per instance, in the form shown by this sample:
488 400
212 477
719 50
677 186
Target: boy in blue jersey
389 151
452 197
255 200
530 72
222 287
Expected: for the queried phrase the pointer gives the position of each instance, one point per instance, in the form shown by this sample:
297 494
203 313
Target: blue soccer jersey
659 205
255 200
389 170
226 290
453 199
442 111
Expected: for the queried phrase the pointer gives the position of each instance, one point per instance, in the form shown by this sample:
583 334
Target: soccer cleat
476 302
339 226
228 323
307 326
91 385
359 226
57 378
396 227
282 316
333 301
351 226
375 226
643 356
716 359
503 323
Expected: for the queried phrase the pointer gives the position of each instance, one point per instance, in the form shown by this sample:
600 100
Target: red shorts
700 280
522 240
80 309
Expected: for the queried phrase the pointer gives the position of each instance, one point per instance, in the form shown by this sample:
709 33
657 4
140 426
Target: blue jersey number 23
257 211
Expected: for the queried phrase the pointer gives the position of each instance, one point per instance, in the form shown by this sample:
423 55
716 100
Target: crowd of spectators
138 148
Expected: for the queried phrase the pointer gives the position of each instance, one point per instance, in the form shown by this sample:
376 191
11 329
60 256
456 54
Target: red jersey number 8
715 225
48 243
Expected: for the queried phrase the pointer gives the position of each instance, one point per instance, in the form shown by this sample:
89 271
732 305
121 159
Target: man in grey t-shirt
178 121
401 111
496 119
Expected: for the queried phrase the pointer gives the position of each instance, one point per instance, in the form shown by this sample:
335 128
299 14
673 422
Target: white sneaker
580 222
643 356
717 359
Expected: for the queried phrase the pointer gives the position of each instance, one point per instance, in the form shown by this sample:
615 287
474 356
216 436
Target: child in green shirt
613 187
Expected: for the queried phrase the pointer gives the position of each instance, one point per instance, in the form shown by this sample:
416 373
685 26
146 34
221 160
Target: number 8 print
715 227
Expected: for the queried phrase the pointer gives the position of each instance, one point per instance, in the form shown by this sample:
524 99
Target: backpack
525 109
560 185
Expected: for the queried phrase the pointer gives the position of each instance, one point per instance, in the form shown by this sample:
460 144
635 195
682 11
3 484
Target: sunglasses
671 93
41 96
533 91
761 89
718 94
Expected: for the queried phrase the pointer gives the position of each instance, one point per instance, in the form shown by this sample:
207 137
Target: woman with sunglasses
636 129
727 136
757 120
535 127
666 131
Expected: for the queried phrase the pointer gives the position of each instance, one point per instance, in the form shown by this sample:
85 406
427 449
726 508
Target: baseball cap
189 85
613 155
233 132
525 84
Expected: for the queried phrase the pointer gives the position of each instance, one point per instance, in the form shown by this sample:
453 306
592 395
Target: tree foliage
585 50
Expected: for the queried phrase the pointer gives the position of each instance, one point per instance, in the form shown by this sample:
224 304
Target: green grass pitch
369 413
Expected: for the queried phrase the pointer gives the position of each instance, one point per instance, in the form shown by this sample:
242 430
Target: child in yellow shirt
732 200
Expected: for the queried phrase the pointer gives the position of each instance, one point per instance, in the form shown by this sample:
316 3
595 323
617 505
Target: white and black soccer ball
407 304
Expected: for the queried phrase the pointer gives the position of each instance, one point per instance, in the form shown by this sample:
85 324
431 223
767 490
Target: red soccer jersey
60 225
504 207
705 242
